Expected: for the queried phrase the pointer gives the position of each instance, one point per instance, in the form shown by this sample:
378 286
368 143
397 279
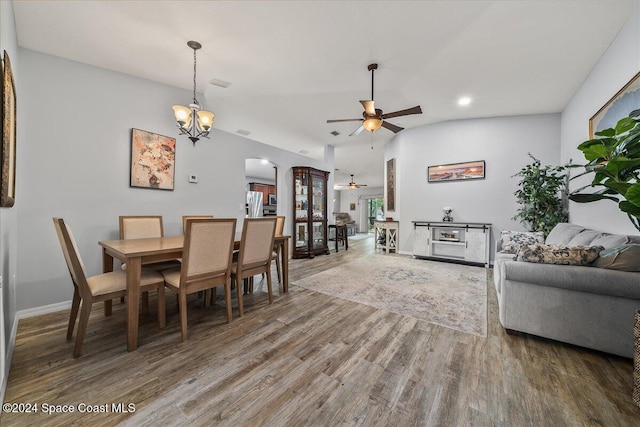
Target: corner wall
617 66
502 142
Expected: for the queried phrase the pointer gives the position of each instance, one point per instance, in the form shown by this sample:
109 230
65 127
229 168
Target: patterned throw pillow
555 254
511 241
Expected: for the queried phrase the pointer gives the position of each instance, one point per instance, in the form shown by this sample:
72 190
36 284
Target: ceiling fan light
372 124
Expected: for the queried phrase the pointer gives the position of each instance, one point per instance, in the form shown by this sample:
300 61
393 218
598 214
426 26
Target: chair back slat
72 256
140 227
208 247
256 246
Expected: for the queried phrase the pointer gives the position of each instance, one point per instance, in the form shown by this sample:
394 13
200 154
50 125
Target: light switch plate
193 178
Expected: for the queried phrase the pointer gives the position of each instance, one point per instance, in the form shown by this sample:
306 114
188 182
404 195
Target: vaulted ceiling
292 65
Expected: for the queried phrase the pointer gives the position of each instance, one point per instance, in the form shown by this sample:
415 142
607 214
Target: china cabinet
310 212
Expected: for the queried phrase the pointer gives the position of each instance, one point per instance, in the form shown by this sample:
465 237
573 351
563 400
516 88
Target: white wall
9 216
502 142
617 66
74 163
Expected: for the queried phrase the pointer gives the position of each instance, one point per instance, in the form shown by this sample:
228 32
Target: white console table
453 241
388 229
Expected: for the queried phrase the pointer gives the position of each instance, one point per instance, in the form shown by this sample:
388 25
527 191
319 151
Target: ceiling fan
373 117
352 185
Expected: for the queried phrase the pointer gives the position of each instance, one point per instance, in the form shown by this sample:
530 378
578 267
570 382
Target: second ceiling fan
374 117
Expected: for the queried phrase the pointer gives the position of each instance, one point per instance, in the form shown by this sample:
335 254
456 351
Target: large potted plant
614 161
542 196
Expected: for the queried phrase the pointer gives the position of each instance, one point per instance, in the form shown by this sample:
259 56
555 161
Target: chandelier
192 120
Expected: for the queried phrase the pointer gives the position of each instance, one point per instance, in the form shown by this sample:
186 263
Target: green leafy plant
542 194
614 160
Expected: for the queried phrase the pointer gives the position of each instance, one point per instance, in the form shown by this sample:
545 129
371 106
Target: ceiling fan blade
369 107
393 128
357 131
344 120
407 112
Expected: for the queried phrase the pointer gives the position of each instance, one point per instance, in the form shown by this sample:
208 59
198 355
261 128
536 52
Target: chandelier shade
192 120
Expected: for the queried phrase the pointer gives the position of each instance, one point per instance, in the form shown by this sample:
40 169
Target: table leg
285 265
107 266
134 266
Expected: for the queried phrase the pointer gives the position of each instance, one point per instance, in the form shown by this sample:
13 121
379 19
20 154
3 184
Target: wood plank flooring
312 360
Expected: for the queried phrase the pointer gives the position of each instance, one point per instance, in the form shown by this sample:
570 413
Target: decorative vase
636 359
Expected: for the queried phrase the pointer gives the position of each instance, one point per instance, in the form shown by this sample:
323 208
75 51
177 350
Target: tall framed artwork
152 160
619 106
8 154
391 185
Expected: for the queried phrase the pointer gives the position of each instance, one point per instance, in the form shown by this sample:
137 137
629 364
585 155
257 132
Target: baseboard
45 309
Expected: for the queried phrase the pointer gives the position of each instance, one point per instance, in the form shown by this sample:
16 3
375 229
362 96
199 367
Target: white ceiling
294 64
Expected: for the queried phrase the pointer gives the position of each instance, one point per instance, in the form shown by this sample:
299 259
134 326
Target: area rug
449 295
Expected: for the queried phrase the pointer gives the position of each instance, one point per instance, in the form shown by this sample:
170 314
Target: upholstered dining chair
206 263
275 256
186 217
142 227
254 256
101 287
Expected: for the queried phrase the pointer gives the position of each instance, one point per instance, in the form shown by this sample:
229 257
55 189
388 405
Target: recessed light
243 132
464 101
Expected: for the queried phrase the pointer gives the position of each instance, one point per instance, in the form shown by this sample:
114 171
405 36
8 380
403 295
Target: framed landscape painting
391 185
625 101
152 160
8 154
456 171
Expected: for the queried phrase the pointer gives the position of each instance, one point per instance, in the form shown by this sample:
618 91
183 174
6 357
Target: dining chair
277 249
254 256
142 227
206 263
101 287
186 217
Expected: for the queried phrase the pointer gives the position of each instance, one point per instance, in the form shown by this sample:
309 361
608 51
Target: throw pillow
555 254
511 241
610 240
562 233
624 258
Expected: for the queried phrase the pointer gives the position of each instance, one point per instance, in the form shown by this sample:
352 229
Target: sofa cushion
562 233
624 258
610 240
558 254
511 241
584 238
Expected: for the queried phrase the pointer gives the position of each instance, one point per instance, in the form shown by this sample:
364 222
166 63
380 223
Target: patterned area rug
449 295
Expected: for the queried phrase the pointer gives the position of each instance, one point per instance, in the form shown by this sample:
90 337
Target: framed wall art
8 155
152 160
456 171
391 185
625 101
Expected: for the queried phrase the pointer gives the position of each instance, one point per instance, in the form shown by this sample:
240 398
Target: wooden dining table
137 252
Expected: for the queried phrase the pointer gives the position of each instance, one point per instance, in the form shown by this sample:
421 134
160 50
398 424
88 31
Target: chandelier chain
195 101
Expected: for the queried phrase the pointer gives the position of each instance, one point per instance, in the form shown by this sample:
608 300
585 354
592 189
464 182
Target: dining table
138 252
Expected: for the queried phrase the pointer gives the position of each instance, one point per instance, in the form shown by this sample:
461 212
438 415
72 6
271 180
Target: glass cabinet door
318 198
310 206
302 210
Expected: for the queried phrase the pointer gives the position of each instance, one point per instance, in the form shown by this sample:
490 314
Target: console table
387 230
453 241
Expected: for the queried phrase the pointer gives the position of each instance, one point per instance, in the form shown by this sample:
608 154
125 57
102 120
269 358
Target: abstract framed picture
152 160
456 171
619 106
8 154
391 185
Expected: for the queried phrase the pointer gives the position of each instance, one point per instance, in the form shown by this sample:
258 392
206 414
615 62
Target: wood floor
312 360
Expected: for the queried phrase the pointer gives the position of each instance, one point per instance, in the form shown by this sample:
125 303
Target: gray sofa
582 305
